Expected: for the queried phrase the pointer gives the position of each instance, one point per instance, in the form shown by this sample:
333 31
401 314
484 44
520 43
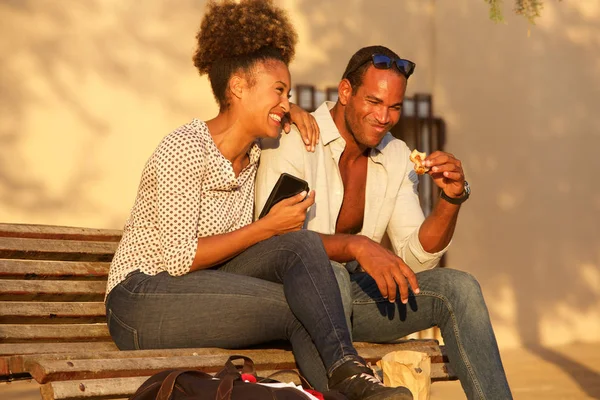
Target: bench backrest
52 286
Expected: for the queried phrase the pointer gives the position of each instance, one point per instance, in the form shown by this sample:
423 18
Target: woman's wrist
263 229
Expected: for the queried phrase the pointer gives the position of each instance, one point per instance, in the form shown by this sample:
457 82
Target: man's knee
452 283
465 282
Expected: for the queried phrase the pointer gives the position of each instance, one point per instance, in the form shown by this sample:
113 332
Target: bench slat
55 312
441 372
36 269
50 249
12 355
46 290
374 351
92 388
49 370
368 350
8 349
19 364
54 333
33 231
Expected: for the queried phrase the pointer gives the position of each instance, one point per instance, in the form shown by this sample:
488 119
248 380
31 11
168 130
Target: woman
175 280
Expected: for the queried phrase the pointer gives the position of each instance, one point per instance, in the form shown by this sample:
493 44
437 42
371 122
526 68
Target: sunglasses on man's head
381 61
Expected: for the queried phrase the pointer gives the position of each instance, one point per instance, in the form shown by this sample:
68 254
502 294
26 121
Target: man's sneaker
356 381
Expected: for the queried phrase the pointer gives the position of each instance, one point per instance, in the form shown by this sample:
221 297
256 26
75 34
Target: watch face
467 188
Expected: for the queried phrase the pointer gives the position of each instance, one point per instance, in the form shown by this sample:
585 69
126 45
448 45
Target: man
365 187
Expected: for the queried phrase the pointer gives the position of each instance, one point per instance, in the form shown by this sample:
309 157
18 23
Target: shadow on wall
540 212
58 47
336 29
522 116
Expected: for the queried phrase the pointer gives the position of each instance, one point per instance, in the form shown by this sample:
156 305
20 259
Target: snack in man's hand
417 157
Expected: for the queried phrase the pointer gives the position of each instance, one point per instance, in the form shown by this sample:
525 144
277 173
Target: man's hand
388 270
306 123
447 173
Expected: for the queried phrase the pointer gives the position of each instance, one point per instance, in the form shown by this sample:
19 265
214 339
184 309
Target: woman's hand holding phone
289 214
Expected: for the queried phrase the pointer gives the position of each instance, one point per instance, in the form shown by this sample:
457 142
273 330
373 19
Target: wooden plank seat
53 323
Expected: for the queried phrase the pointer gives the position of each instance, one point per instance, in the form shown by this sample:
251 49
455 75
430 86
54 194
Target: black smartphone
287 186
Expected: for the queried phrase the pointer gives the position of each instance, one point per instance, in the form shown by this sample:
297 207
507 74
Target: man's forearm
437 229
341 247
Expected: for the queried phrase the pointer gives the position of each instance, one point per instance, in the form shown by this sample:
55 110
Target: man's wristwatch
457 200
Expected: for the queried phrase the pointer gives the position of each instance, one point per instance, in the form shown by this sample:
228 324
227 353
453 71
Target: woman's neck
230 137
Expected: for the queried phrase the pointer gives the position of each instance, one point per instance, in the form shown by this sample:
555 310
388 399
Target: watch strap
457 200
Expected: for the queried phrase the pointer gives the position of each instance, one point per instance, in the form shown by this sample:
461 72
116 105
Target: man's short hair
360 62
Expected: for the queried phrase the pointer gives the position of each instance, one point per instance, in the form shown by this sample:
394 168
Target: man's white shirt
391 198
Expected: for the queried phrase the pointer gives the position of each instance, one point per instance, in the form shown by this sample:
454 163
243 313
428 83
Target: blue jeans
449 299
288 292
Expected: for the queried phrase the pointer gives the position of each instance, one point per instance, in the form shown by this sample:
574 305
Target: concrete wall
521 112
87 89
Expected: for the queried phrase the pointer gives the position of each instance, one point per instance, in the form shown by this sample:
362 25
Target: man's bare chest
351 215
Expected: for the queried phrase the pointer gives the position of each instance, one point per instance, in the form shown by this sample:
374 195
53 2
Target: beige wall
522 113
87 89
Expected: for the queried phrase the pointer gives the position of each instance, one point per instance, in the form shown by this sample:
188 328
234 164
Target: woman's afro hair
238 29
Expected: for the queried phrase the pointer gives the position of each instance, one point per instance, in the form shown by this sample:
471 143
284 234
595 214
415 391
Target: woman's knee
304 242
302 236
305 249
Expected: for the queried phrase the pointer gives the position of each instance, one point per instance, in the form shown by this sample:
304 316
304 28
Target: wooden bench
53 328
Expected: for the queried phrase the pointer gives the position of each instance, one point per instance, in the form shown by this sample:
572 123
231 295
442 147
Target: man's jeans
449 299
289 292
